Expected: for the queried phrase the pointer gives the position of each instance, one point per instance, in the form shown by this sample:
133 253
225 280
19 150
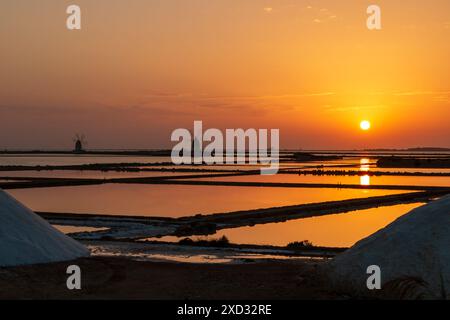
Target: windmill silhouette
80 141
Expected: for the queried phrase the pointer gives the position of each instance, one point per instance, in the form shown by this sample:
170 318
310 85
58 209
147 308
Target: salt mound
26 238
412 253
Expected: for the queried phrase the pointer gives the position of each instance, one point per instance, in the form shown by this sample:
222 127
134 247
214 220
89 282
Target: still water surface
175 200
337 230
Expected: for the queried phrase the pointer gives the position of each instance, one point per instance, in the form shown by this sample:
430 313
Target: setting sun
365 125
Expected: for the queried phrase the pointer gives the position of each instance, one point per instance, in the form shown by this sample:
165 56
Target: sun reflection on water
364 180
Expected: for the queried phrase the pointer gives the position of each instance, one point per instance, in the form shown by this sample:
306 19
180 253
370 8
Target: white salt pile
26 238
413 254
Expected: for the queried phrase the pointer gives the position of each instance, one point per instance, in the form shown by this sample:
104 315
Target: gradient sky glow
139 69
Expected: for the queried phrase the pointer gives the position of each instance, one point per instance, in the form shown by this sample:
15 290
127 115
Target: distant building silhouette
79 143
78 146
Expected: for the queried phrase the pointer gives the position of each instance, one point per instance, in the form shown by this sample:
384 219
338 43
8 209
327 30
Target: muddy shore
118 278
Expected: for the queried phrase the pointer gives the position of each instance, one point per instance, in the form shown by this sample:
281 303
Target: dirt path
117 278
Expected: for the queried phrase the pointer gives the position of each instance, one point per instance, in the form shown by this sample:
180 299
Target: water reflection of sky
335 230
176 200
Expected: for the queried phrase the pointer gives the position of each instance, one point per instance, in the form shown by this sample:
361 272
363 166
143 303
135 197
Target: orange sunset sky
139 69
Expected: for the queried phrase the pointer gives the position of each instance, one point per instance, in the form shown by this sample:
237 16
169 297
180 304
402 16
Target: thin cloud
281 96
330 108
421 93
